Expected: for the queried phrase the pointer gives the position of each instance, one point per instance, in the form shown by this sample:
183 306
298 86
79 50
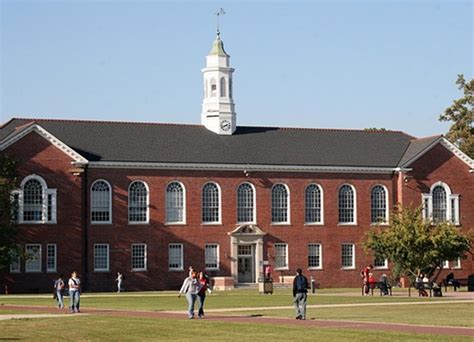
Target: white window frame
386 218
15 264
44 207
28 268
97 269
384 267
138 269
352 267
110 202
320 252
321 200
285 246
445 265
457 264
288 206
147 217
55 257
219 212
183 188
207 257
181 261
451 199
254 199
354 221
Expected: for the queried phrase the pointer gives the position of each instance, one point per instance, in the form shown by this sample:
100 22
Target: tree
8 179
416 245
461 113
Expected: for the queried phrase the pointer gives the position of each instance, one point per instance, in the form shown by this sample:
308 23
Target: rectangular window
15 202
381 263
457 263
50 208
314 255
51 258
101 257
211 256
175 257
445 264
139 257
347 255
33 258
281 256
15 262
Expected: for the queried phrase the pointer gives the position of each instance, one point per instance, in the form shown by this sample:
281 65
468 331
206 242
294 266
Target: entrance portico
246 253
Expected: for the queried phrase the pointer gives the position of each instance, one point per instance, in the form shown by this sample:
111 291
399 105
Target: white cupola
218 113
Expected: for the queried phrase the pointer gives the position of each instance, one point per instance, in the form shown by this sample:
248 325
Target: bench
435 290
378 285
461 282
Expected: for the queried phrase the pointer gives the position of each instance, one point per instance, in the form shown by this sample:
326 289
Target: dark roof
149 142
417 146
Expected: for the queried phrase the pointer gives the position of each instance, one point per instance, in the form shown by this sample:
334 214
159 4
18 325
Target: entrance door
246 263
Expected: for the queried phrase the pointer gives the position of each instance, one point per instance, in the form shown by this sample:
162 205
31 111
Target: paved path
334 324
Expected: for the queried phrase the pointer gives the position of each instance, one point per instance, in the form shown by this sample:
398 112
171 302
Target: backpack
301 284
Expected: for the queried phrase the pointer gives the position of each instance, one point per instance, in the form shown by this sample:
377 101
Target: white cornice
238 167
11 139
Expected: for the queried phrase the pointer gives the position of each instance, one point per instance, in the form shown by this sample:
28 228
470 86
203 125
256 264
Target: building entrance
246 263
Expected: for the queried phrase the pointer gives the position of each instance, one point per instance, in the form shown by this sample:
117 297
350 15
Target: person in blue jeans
205 286
190 288
300 294
59 287
74 292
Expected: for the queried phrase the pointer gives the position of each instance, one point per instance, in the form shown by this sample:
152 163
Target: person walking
300 294
190 288
119 281
59 287
74 292
205 286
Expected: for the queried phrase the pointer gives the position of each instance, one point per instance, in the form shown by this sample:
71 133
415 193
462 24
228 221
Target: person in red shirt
205 286
365 279
371 282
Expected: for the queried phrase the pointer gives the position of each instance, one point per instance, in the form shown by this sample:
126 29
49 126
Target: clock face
225 125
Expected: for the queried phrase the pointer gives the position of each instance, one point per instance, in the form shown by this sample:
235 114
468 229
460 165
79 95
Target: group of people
74 284
369 282
194 287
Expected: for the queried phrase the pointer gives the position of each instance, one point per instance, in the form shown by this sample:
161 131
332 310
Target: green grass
102 328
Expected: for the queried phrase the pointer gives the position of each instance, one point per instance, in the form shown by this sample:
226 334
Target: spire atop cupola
218 114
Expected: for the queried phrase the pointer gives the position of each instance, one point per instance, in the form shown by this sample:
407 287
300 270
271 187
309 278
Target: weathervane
219 12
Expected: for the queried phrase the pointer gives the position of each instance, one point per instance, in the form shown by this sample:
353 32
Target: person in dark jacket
300 294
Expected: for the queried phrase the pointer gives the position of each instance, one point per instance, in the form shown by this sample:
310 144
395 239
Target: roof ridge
429 137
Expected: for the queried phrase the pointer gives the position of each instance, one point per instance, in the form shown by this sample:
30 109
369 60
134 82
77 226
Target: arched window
138 202
245 203
441 204
175 203
347 204
313 204
101 202
210 203
34 202
223 87
213 87
378 200
280 207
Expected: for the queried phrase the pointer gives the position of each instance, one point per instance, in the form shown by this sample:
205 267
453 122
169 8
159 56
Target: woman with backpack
59 287
300 294
205 286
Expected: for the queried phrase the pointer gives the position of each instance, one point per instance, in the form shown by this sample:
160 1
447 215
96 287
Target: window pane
175 256
174 203
210 203
346 204
15 262
313 204
314 255
33 258
439 204
139 256
245 205
100 206
379 205
281 253
347 255
380 263
279 203
212 256
138 202
101 257
51 258
32 201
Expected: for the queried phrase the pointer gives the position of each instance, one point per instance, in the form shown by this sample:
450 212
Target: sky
320 64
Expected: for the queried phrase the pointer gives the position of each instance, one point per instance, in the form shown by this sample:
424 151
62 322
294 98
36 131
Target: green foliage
8 179
461 113
415 245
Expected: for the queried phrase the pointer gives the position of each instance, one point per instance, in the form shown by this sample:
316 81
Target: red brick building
150 200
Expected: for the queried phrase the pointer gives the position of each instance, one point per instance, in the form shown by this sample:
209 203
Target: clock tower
218 113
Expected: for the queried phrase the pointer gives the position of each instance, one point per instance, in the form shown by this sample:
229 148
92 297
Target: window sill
348 268
315 224
380 224
212 269
175 269
175 224
38 222
315 268
352 224
101 223
240 223
282 269
138 223
381 268
139 270
101 271
280 224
